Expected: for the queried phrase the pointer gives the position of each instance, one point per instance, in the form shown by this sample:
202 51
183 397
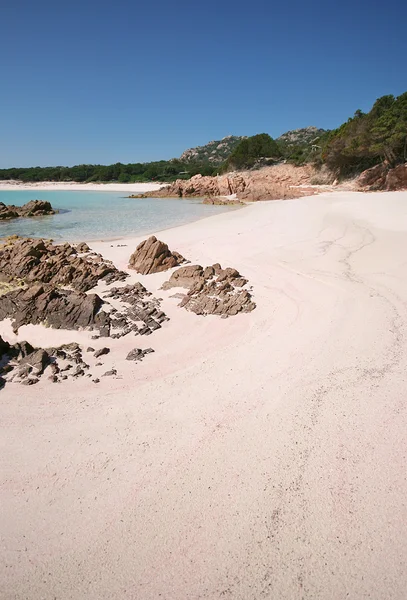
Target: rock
96 380
37 360
90 349
101 352
397 178
57 308
7 212
373 178
153 256
4 347
82 247
212 290
110 373
40 261
382 177
268 183
30 381
34 208
186 277
138 354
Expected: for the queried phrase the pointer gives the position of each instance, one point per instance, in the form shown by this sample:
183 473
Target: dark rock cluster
153 256
21 363
34 208
143 315
212 291
37 260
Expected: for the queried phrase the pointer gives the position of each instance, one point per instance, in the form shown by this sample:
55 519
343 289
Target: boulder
397 178
36 360
138 354
153 256
101 352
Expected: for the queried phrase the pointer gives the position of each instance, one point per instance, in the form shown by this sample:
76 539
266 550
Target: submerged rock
153 256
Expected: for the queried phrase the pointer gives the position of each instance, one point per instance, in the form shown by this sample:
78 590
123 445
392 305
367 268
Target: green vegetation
362 142
299 145
368 139
131 173
215 152
252 151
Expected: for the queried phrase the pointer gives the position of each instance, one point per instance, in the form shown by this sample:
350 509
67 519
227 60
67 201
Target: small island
34 208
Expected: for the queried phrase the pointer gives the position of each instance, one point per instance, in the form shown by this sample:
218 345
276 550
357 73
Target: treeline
252 151
130 173
368 139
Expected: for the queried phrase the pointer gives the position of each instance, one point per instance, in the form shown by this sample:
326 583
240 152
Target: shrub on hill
251 151
368 139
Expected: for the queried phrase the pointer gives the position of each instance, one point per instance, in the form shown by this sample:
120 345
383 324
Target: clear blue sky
100 82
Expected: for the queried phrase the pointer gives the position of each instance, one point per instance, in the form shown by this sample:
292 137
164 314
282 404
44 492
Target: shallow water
102 215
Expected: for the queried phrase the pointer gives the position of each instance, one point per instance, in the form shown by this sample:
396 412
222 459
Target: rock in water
153 256
34 208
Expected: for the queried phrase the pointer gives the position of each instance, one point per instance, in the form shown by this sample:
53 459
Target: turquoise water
99 215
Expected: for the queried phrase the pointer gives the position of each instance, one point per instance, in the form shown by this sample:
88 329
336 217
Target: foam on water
102 215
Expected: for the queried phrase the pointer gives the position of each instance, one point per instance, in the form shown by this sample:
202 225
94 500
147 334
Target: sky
103 82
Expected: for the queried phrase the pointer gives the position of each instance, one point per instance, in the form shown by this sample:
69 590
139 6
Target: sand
262 456
52 186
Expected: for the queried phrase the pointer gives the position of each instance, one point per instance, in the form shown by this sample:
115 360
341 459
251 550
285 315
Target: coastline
80 187
237 437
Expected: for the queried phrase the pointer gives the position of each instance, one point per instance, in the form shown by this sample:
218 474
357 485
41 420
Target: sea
87 215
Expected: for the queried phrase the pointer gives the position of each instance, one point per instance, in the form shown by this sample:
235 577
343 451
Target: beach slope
261 456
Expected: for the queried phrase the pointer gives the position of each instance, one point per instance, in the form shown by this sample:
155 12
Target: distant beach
80 187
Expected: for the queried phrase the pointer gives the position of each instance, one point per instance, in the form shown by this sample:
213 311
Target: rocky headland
34 208
277 182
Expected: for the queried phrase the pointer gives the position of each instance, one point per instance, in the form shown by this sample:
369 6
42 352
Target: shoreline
237 437
79 187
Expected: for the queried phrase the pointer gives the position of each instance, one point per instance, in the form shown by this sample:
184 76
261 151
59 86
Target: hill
215 152
367 139
300 137
296 145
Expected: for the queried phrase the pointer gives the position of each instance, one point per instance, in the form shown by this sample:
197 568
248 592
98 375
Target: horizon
146 83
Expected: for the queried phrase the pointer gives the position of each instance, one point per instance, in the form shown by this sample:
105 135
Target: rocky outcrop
26 365
57 308
143 312
397 178
34 208
69 309
36 260
381 177
268 183
153 256
212 290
